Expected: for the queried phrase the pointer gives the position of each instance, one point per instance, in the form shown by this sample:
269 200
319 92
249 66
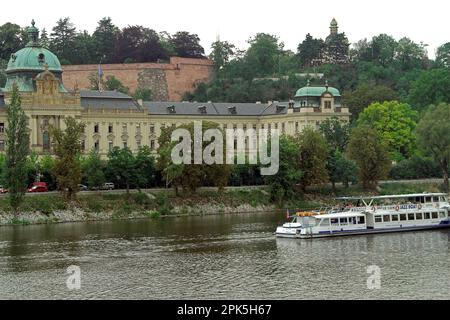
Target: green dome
316 92
33 59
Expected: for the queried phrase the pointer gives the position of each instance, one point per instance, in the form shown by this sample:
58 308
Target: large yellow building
115 119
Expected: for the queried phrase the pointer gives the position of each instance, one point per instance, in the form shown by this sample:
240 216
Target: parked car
3 189
108 186
38 187
82 187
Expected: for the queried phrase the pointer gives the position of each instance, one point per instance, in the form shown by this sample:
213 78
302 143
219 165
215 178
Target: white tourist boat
367 215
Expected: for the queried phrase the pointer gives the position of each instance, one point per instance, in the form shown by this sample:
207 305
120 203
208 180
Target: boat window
442 215
325 222
426 215
428 199
386 218
410 216
418 215
403 217
434 215
360 220
378 219
435 199
343 221
395 217
334 221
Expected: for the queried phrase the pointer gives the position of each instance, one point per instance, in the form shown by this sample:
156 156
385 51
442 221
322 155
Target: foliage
430 88
433 134
144 94
93 170
415 168
443 56
121 166
395 123
17 149
63 40
335 133
67 147
221 53
310 51
144 167
370 155
282 184
340 169
187 45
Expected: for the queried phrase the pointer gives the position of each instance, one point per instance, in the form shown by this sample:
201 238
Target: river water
222 256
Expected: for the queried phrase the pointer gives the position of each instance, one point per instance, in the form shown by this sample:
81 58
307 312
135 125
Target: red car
38 187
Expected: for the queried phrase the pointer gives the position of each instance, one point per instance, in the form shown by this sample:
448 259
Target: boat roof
394 196
346 214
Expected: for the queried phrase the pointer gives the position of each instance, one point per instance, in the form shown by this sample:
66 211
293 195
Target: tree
67 147
443 56
105 38
187 45
313 157
282 184
221 53
433 133
145 167
336 49
94 170
11 40
395 123
110 84
121 166
263 54
63 40
83 47
310 51
340 169
370 155
143 93
335 133
17 150
364 95
410 55
432 87
44 39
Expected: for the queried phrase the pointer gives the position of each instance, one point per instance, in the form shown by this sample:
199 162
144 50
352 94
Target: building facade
115 119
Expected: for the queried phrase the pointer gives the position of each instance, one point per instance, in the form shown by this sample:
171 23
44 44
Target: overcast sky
237 20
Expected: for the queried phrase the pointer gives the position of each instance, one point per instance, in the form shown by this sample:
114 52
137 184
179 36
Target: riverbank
52 208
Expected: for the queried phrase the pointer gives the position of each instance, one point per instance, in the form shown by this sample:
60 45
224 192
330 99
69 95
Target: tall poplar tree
17 150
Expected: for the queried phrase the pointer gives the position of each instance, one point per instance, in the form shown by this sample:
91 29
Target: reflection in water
224 256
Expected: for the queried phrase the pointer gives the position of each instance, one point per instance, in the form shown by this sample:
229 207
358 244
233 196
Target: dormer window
41 58
202 109
327 104
280 108
232 110
171 109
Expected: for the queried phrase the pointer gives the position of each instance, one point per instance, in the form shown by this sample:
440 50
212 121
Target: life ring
397 208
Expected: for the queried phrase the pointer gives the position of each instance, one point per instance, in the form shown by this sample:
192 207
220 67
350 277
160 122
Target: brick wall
168 81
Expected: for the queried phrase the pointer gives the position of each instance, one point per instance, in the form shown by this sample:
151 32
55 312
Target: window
138 128
361 220
124 127
411 216
325 222
83 145
254 127
435 199
327 104
378 219
152 129
418 215
244 127
427 215
125 145
394 217
96 128
110 145
343 221
402 217
386 218
276 126
296 127
283 127
2 145
434 215
152 144
110 128
427 199
96 146
2 127
46 141
334 221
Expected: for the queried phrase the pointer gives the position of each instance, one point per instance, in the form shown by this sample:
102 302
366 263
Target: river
221 256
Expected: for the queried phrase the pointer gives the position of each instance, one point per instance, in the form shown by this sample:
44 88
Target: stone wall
168 81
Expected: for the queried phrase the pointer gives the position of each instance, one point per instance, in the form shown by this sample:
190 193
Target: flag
100 71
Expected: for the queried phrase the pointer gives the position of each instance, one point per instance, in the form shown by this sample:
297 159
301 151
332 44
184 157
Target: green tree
145 167
121 166
410 55
433 133
221 53
105 38
11 40
340 169
430 88
313 157
310 51
282 185
395 123
17 150
187 45
335 133
262 57
443 56
63 40
370 155
143 93
67 147
364 95
114 84
93 170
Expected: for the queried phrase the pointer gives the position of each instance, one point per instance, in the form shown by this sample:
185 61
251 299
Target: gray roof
107 99
216 109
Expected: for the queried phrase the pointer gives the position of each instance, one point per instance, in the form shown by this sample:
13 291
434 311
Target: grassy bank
100 206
